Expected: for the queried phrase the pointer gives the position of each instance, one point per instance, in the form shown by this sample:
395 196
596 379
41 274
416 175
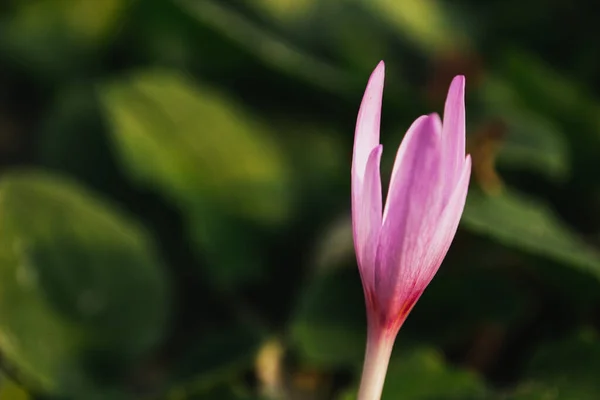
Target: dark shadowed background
175 198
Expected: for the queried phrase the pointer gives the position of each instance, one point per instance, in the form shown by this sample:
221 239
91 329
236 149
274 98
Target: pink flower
400 249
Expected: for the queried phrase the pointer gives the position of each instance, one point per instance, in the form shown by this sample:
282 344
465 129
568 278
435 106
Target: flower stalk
377 358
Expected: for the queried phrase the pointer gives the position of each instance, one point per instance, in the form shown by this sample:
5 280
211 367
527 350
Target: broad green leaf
422 374
530 225
196 145
548 92
208 156
329 326
532 141
80 285
54 35
569 369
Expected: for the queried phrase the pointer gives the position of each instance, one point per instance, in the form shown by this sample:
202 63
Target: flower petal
366 221
446 226
366 183
413 206
429 260
366 136
453 132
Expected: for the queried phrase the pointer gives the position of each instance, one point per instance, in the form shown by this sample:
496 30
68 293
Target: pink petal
413 206
367 218
366 185
429 259
366 136
434 125
439 243
453 132
446 226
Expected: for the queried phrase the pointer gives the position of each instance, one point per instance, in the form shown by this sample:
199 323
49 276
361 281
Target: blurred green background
175 207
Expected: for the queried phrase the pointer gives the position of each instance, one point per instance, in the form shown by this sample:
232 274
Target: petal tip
378 74
459 79
435 117
457 87
466 166
431 120
468 161
378 150
422 119
366 134
436 123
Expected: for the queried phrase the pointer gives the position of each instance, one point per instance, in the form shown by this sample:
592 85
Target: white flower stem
377 357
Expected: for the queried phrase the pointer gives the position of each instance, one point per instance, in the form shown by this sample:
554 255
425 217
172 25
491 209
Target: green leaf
343 30
569 369
54 35
9 390
550 92
329 327
81 285
546 91
422 374
434 33
533 140
208 156
530 225
273 51
196 145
